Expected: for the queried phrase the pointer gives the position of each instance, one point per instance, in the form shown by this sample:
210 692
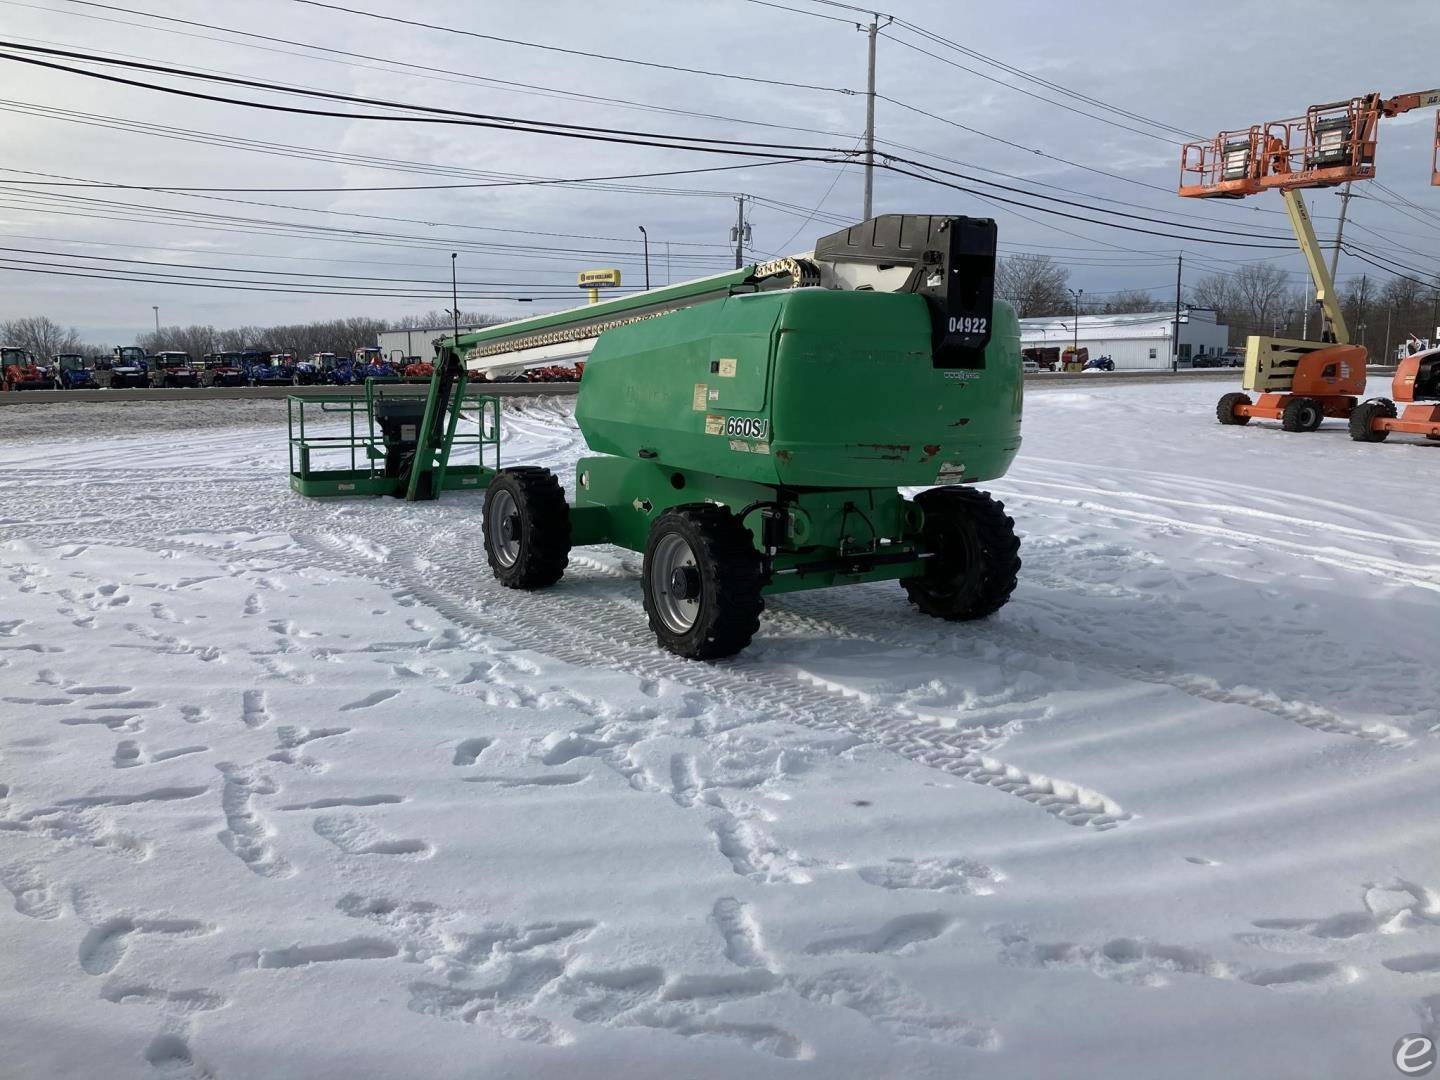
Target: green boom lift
753 432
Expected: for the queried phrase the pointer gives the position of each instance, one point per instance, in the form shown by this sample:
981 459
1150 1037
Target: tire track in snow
581 630
1389 569
844 614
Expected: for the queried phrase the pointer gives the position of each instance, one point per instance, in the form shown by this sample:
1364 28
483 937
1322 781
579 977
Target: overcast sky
1201 68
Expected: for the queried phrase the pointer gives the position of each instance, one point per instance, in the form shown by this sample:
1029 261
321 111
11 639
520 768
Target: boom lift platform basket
372 445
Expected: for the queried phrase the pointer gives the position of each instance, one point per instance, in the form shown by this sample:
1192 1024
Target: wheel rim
671 554
959 554
1313 416
503 509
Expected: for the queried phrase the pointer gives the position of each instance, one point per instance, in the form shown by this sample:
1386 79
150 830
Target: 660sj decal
746 427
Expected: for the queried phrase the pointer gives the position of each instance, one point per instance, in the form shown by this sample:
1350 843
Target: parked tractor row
130 367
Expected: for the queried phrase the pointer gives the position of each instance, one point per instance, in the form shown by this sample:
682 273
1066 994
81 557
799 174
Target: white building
417 340
1135 341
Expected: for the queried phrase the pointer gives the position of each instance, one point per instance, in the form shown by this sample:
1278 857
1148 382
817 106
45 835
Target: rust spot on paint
782 456
961 422
931 449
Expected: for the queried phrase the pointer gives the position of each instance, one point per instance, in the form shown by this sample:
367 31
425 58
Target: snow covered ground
293 789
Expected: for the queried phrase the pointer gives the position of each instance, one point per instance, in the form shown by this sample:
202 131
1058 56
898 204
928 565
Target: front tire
702 578
1362 420
975 555
1302 414
527 528
1225 408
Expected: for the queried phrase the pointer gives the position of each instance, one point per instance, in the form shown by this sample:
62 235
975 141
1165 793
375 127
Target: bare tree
195 340
1034 285
1130 302
42 336
439 320
1260 291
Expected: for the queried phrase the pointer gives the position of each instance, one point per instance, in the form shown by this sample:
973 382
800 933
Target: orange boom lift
1300 382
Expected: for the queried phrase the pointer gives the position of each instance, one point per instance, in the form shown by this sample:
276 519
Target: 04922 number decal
746 427
969 324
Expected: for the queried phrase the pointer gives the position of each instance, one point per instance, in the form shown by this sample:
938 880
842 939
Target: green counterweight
805 388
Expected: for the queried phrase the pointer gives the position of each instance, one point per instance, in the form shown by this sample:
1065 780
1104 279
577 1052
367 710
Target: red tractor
21 372
1417 379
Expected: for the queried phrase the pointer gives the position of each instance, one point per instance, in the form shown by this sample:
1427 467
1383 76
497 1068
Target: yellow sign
598 279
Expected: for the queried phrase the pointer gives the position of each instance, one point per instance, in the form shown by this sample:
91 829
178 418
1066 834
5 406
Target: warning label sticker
740 446
950 474
714 424
700 401
726 368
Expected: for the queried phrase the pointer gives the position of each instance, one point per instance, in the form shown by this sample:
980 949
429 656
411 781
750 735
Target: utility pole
455 306
646 237
1175 334
740 232
1075 340
872 31
1345 198
156 308
1389 318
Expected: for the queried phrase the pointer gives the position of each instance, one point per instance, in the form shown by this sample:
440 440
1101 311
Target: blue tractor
333 370
370 363
307 372
129 367
70 372
262 370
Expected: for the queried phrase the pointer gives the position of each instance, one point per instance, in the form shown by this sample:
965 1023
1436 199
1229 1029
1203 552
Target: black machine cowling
953 267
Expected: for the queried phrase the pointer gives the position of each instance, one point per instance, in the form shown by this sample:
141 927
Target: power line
538 182
417 70
946 42
575 52
431 114
1021 90
975 54
569 131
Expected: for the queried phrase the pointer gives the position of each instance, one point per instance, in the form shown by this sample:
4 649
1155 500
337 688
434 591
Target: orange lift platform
1300 382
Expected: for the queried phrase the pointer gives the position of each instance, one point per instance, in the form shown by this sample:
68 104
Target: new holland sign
599 279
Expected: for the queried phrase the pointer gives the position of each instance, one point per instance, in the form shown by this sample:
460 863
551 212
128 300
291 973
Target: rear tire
526 527
702 578
976 555
1364 416
1302 414
1225 408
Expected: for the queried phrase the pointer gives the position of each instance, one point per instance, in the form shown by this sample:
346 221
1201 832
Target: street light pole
646 238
